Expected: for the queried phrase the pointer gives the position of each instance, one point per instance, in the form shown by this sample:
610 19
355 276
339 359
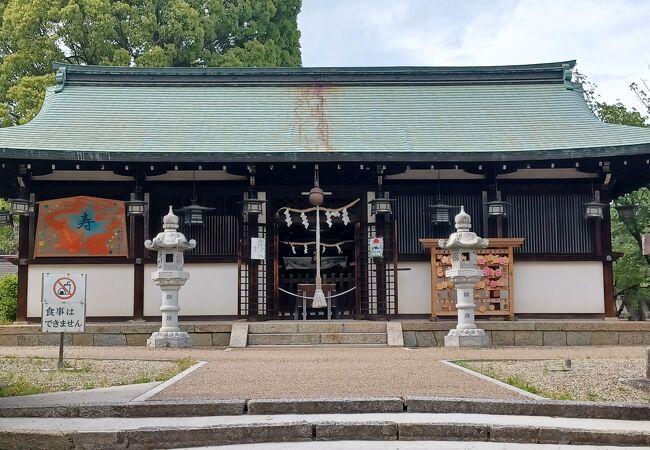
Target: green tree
630 270
151 33
7 234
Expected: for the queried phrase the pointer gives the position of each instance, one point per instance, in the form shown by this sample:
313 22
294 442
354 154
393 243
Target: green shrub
8 297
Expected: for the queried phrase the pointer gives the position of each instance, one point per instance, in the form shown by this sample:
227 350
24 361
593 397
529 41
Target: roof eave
336 156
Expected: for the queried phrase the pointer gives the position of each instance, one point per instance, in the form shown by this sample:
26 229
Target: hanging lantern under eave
193 213
381 205
5 217
627 212
594 209
20 206
252 207
497 208
135 207
441 213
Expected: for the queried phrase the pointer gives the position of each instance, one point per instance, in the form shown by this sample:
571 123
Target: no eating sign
64 302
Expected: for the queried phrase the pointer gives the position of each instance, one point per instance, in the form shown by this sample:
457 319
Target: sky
610 39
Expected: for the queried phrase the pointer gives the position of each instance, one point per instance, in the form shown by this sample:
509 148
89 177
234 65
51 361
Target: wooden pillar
137 226
380 266
605 250
23 268
253 269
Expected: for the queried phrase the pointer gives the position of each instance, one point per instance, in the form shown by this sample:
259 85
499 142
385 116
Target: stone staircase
322 333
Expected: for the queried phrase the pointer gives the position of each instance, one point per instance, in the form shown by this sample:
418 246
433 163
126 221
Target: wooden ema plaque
493 294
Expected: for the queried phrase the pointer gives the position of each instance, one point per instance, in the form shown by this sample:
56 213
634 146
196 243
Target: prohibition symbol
64 288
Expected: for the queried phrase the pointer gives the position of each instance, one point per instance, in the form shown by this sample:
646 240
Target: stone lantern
464 273
170 277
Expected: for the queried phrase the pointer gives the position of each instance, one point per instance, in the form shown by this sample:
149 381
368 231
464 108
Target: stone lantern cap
170 238
463 238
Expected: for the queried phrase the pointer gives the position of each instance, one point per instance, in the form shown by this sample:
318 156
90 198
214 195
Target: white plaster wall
211 290
109 290
414 288
559 287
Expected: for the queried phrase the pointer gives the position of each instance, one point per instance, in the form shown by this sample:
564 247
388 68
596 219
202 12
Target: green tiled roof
402 113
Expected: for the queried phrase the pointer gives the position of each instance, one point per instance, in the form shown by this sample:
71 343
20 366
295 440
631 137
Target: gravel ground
19 376
327 372
332 372
588 379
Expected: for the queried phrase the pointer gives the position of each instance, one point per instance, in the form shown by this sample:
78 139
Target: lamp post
464 273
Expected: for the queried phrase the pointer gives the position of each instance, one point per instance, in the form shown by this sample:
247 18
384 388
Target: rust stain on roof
312 123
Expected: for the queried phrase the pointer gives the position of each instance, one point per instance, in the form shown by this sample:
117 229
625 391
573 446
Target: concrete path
109 395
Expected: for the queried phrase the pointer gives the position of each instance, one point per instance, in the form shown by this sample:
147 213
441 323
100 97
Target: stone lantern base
467 338
174 339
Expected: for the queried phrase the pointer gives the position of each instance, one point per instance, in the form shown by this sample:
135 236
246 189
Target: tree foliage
642 92
7 234
632 269
152 33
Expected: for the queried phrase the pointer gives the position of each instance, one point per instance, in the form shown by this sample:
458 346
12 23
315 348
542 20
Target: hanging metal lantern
381 205
193 213
594 209
252 207
5 217
497 208
20 206
135 207
627 212
441 213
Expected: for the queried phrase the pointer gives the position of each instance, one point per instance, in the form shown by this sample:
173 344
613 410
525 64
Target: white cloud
609 39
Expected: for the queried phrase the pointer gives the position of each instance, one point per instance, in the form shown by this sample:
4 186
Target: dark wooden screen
218 236
414 222
550 222
377 293
255 297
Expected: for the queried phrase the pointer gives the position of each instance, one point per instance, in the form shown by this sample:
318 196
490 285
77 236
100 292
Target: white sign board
258 248
64 287
376 246
64 303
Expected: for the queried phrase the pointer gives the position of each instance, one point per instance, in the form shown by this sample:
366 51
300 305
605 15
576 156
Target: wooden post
23 267
137 226
605 250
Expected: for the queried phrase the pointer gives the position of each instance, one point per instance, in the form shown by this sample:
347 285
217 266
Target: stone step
317 339
316 327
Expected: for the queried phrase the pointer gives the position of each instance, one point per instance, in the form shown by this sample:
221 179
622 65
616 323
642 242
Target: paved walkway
318 372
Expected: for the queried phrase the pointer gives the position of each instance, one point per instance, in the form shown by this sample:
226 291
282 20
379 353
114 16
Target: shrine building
397 151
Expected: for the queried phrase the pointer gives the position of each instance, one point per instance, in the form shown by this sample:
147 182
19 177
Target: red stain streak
310 112
71 241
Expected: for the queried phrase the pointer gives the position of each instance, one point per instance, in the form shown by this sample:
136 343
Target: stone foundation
416 333
203 334
535 333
